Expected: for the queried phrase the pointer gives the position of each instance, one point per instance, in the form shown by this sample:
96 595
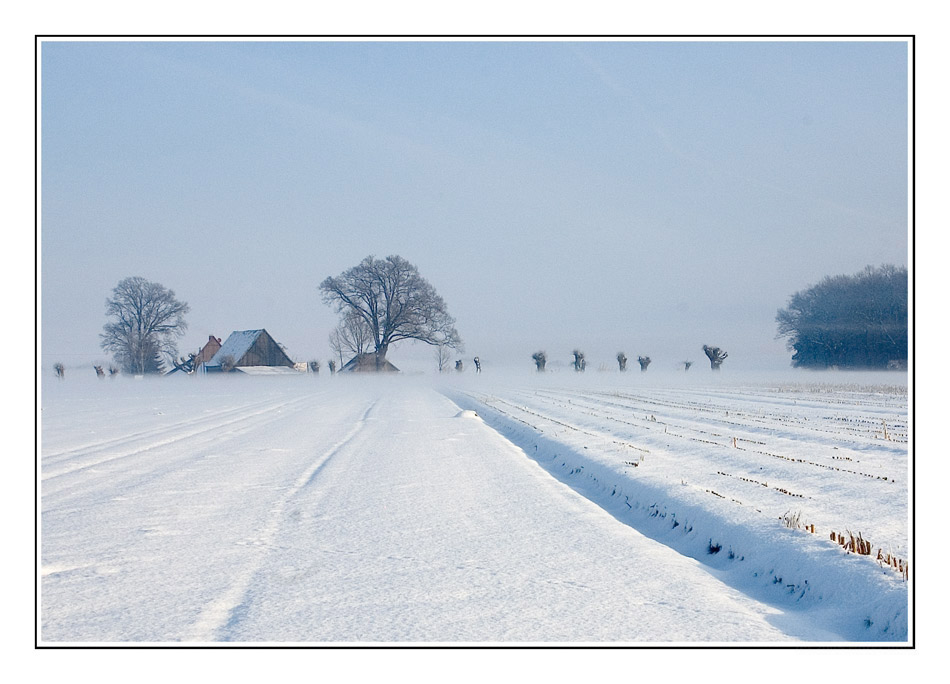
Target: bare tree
644 361
60 370
622 360
540 358
354 336
443 355
314 366
687 364
580 364
332 364
716 356
394 301
147 321
459 366
336 345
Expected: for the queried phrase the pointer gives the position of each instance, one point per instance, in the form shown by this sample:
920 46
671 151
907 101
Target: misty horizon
648 197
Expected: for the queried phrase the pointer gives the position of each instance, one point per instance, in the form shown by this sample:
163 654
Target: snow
467 414
513 509
236 346
267 370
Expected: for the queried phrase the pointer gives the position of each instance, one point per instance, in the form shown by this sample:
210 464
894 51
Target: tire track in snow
219 616
209 416
50 472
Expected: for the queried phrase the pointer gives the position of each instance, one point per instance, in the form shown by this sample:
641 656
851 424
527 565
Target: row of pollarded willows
60 370
715 354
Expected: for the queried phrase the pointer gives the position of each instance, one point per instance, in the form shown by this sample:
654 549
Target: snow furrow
721 433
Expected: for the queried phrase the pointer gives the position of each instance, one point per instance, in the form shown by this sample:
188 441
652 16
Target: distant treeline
857 321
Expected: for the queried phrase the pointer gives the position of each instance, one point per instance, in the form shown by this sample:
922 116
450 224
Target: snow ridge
849 595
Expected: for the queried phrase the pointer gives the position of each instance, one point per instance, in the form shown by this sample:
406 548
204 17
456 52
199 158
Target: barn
249 349
366 363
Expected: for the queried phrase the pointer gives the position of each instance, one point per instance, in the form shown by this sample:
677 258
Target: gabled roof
250 348
367 363
207 352
236 346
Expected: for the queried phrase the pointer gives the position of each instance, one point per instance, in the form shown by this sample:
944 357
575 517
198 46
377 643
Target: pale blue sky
640 196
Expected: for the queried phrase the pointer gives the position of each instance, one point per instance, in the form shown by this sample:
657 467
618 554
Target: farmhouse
246 350
207 352
366 363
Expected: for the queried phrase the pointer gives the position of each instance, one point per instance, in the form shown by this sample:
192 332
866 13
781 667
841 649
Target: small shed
366 363
249 348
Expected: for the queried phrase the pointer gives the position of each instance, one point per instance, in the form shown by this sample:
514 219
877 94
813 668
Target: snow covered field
499 508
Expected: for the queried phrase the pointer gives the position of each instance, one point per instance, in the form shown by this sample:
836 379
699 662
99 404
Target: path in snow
373 516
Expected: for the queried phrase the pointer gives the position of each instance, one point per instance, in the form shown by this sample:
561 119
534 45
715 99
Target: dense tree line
857 321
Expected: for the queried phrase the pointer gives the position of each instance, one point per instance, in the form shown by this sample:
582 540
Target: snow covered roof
367 363
268 370
236 346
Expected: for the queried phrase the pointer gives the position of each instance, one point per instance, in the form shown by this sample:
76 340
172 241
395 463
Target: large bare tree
147 319
394 302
